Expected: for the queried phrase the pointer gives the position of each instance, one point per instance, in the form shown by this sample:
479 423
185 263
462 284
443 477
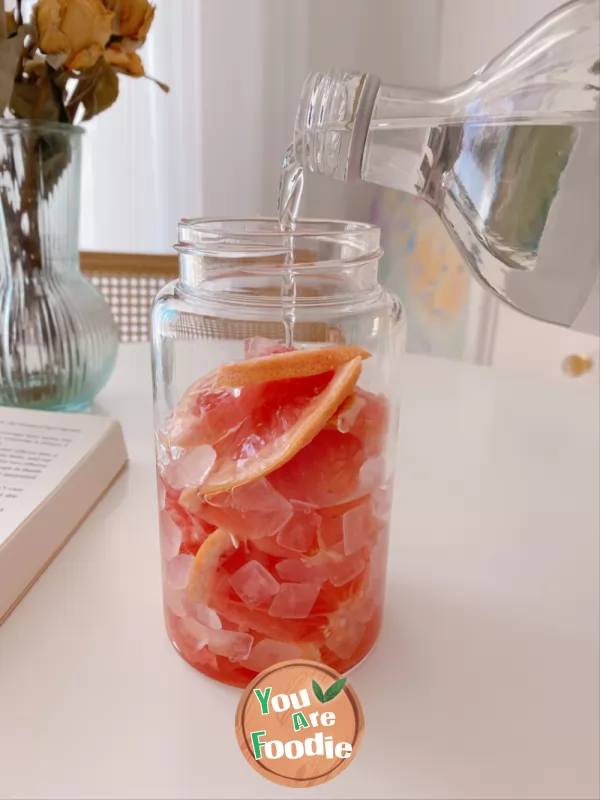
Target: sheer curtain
213 145
141 163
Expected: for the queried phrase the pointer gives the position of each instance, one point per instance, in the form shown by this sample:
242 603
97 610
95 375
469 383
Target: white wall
474 31
398 40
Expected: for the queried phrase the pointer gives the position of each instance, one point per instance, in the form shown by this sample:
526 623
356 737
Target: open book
54 468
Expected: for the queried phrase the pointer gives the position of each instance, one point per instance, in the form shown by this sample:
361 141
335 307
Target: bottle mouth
258 244
332 123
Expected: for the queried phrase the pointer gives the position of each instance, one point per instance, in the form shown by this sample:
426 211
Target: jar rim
321 227
249 240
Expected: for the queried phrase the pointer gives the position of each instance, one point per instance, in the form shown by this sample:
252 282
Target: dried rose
133 18
77 30
124 61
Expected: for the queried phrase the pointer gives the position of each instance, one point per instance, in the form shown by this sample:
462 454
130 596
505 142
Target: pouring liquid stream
291 184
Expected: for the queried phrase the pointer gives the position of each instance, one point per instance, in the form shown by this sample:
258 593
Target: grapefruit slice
291 414
211 554
203 415
282 366
326 472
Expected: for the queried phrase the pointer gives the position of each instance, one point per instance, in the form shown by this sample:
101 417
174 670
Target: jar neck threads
245 255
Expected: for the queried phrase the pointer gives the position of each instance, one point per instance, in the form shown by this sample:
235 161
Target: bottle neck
350 127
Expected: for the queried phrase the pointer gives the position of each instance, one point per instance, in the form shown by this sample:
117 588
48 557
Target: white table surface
484 683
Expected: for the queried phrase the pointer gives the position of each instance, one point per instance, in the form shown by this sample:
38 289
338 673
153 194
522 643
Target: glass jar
276 361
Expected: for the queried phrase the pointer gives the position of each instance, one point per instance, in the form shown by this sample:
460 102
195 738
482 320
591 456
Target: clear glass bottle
276 363
58 339
508 159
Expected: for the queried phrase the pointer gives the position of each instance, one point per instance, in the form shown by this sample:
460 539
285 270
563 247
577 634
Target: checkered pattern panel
130 298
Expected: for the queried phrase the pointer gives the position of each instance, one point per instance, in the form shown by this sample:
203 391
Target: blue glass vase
58 339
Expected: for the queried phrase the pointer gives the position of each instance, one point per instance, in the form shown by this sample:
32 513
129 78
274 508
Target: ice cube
174 600
201 613
299 571
204 658
268 544
170 536
371 474
259 346
259 496
195 533
231 644
163 451
365 609
378 569
294 600
161 493
191 468
252 511
358 528
300 532
253 583
331 535
340 572
348 414
194 633
178 571
345 636
382 500
269 652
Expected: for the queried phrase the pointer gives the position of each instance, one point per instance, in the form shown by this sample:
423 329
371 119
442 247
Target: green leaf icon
334 689
318 692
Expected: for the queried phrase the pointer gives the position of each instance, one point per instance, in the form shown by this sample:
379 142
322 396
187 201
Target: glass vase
58 339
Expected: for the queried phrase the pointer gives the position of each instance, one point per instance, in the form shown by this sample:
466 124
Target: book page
38 450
